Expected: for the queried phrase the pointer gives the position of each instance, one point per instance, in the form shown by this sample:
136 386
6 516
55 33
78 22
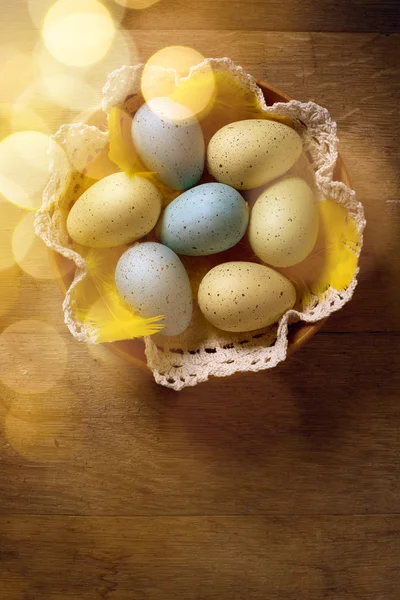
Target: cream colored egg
284 223
250 153
116 210
244 296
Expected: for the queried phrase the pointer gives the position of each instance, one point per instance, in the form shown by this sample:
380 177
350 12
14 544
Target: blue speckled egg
169 140
153 280
207 219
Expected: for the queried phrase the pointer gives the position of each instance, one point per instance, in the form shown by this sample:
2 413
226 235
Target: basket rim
133 350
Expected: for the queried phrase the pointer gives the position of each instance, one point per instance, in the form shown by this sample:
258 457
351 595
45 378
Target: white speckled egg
284 223
205 220
169 140
248 154
152 279
244 296
114 211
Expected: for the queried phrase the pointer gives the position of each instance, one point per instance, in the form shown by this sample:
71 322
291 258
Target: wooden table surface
279 485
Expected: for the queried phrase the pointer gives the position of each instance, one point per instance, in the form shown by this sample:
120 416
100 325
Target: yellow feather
333 261
122 151
198 93
111 320
101 308
340 252
232 102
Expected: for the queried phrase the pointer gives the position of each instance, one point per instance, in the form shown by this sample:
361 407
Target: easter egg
243 296
250 153
151 278
114 211
205 220
169 140
284 223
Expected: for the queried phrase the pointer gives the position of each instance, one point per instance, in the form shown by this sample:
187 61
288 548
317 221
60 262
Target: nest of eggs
210 264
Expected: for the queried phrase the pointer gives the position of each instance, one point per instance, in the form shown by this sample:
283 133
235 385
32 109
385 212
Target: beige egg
250 153
244 296
284 223
116 210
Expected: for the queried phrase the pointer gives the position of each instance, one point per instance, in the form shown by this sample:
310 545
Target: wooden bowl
133 350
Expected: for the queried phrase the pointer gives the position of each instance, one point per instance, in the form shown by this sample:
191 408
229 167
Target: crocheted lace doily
202 351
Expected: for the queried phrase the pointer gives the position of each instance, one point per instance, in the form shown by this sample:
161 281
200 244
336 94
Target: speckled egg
284 223
116 210
244 296
205 220
250 153
152 279
169 140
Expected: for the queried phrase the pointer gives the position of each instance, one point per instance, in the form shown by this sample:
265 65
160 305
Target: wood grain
245 15
206 559
303 438
248 15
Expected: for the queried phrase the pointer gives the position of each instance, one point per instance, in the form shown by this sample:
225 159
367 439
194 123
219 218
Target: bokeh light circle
71 92
24 118
41 427
79 88
179 58
17 71
78 32
99 352
38 10
34 110
24 168
33 357
9 218
165 75
30 252
9 289
136 4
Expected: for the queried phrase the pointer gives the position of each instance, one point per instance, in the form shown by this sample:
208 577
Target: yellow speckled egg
284 223
250 153
116 210
244 296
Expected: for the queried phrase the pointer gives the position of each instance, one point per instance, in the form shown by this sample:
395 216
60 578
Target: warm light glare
71 92
17 72
24 118
31 254
78 32
34 110
165 74
9 217
136 4
79 88
38 10
41 427
9 289
33 357
179 58
24 168
99 352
